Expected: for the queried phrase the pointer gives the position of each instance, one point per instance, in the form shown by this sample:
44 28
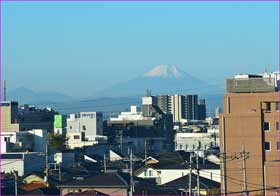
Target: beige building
9 121
249 131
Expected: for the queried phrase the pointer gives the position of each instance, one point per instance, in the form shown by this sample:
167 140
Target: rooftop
101 180
183 182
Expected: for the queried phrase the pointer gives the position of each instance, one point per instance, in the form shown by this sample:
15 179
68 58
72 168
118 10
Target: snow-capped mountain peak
164 71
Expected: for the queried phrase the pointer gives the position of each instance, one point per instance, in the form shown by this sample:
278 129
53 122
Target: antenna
148 92
5 90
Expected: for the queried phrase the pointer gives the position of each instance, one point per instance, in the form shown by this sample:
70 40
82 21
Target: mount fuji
162 79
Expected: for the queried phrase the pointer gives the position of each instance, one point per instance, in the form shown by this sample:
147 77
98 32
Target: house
35 184
34 140
104 183
173 165
65 159
206 186
7 184
22 162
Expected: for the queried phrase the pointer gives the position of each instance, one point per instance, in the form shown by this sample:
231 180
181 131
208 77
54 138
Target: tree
57 141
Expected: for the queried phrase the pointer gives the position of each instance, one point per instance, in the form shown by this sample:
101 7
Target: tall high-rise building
164 103
191 102
180 106
201 110
249 136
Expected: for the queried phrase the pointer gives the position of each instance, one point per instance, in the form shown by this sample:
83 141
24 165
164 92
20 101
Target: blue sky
80 47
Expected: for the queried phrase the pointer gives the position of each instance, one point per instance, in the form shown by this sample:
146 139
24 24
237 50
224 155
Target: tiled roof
33 186
98 180
183 182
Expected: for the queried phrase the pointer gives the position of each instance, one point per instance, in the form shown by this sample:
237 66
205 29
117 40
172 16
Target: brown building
249 136
9 116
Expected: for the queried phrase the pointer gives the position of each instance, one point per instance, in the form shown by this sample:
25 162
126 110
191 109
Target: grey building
180 106
201 110
191 107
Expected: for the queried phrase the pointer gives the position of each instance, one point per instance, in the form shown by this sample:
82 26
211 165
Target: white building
177 107
33 140
193 141
78 140
164 175
91 123
132 115
23 162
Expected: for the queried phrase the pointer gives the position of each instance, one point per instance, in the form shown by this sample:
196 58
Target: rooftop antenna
5 90
265 70
148 92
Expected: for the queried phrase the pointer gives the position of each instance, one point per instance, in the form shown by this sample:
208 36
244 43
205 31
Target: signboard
58 121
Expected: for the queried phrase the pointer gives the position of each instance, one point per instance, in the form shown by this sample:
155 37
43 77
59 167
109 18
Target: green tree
57 141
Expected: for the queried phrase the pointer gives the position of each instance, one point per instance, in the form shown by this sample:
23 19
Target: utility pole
15 175
131 174
47 164
5 90
121 141
243 153
145 149
197 172
104 163
264 169
190 175
224 156
59 172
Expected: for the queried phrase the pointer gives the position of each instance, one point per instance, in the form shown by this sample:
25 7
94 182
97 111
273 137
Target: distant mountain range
162 79
25 95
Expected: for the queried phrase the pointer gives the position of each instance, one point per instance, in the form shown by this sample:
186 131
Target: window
70 127
181 146
150 173
277 126
268 106
278 145
145 173
84 127
6 139
266 126
267 146
76 137
277 106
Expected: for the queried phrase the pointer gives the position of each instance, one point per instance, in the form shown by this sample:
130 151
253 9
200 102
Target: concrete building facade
23 162
180 106
9 119
249 136
91 123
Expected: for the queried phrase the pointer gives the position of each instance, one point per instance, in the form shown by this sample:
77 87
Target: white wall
189 141
90 122
8 166
167 175
31 162
35 139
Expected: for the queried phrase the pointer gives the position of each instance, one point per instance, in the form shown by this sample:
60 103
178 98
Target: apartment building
182 106
249 136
